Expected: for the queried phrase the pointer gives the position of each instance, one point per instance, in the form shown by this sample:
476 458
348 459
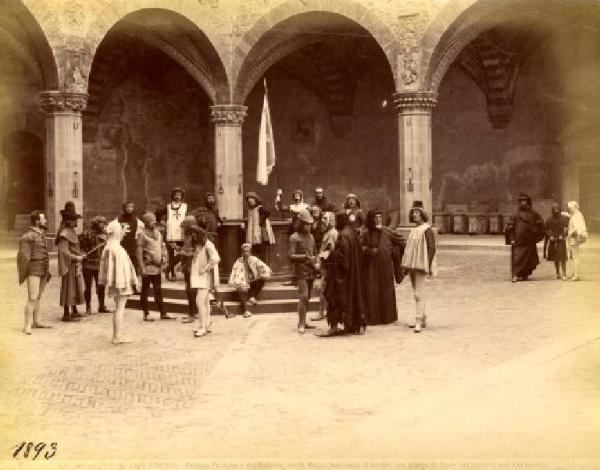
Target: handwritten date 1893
34 450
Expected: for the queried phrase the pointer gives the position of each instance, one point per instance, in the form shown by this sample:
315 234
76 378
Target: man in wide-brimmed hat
70 256
523 231
92 243
303 255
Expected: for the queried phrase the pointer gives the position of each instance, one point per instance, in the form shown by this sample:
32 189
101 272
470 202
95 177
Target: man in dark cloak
523 231
344 294
377 243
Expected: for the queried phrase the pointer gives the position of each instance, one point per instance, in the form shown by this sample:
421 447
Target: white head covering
573 205
114 230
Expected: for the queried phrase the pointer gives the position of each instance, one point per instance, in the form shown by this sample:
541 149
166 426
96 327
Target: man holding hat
92 243
523 231
70 256
302 254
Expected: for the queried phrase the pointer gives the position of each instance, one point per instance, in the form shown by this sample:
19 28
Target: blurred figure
355 213
321 201
326 248
577 235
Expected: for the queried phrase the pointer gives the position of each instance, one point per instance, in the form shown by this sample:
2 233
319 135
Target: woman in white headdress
118 275
576 235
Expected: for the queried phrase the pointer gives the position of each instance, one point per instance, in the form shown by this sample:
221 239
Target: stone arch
20 30
198 56
256 51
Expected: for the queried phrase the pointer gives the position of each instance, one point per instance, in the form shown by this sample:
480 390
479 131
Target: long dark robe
129 241
345 296
378 271
525 228
72 285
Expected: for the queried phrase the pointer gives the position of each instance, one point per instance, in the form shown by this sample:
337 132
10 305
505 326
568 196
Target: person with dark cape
377 243
523 231
70 256
345 289
132 226
555 241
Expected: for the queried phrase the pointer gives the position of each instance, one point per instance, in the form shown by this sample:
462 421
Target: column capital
55 101
228 114
415 101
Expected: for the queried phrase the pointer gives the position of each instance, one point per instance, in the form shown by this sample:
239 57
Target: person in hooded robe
555 241
377 243
577 236
70 257
117 274
345 287
523 231
355 213
257 226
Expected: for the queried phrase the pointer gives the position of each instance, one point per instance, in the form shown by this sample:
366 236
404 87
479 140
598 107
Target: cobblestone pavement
503 371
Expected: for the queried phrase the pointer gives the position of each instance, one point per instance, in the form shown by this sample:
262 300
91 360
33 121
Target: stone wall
152 134
350 154
472 162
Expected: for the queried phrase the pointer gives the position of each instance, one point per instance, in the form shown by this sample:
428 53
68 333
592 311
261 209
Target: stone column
414 149
64 152
229 187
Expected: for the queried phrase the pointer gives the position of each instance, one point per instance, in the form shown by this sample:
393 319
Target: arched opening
22 174
327 78
517 108
147 127
28 67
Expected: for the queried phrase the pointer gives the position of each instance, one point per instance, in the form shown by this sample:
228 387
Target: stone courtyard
505 374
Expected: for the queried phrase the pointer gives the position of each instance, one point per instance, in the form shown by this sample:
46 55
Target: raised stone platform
274 298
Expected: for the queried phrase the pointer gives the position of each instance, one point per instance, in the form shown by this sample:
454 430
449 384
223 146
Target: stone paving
504 371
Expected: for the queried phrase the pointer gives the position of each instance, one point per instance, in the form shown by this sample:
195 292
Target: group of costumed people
356 259
563 233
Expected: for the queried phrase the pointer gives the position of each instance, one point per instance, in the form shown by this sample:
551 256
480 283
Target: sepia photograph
300 234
